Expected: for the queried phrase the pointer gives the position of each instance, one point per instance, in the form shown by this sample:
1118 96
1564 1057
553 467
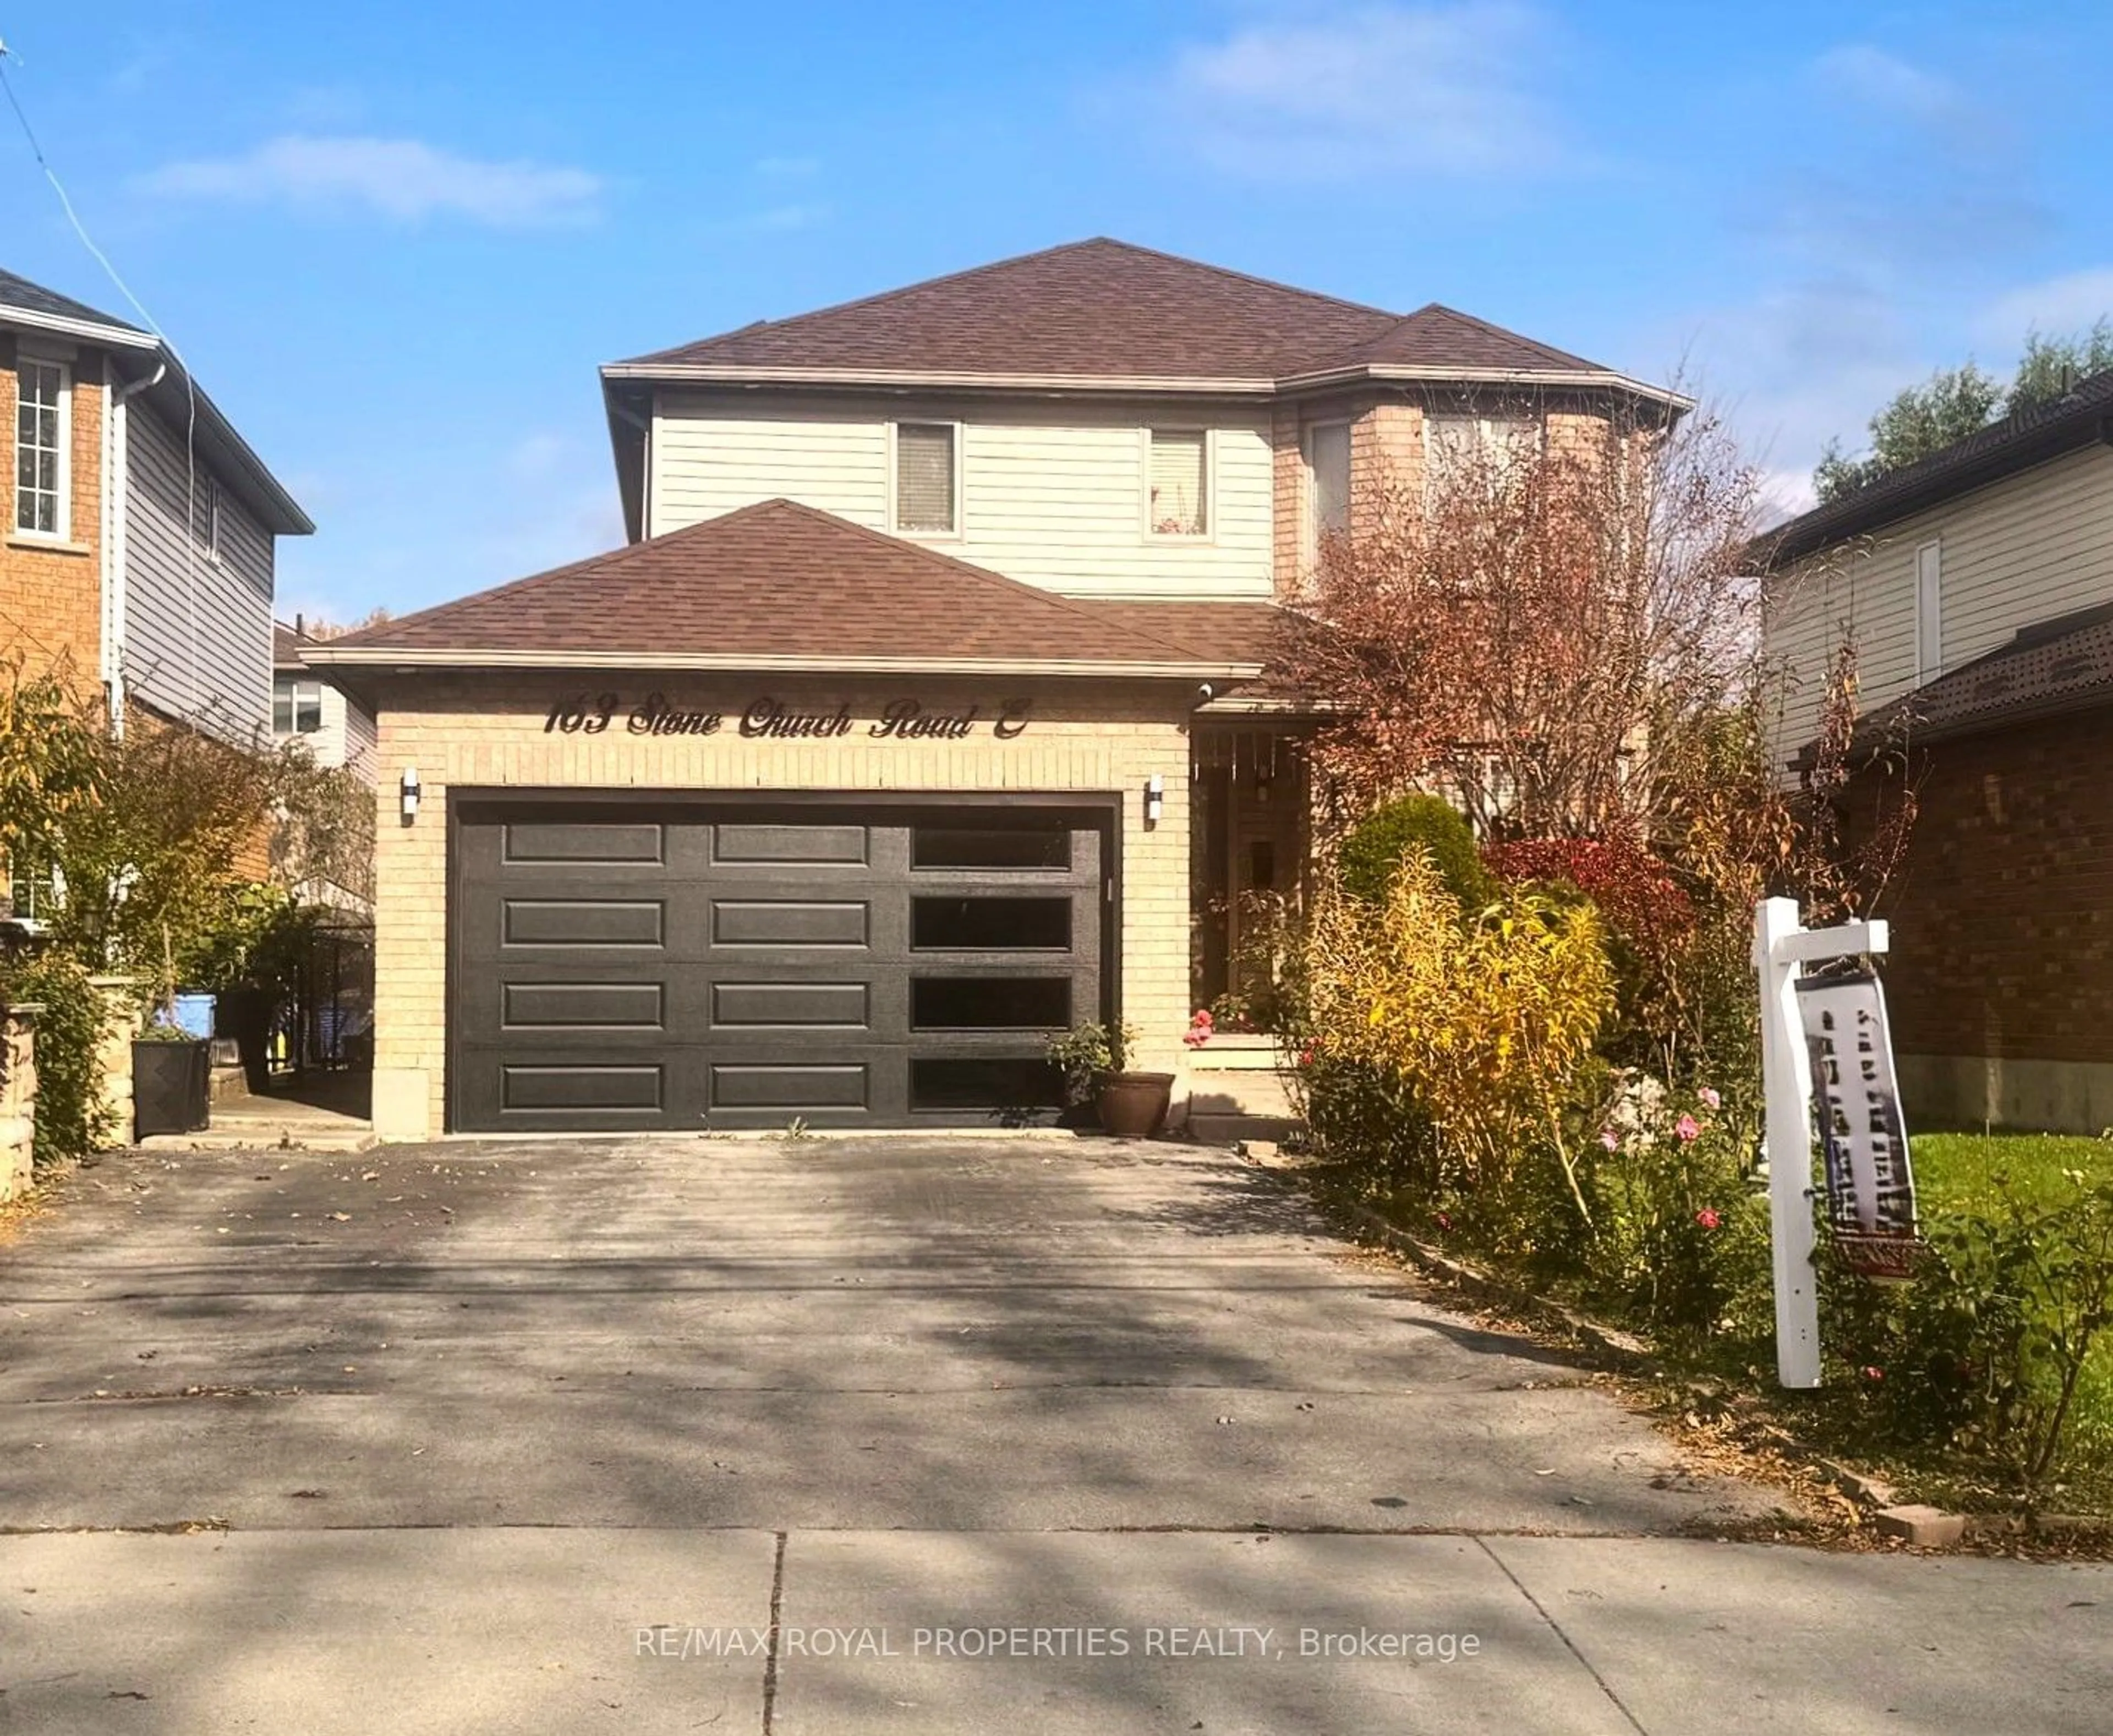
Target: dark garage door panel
695 965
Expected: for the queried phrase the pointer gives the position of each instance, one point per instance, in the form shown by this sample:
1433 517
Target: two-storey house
137 551
919 719
140 527
1977 589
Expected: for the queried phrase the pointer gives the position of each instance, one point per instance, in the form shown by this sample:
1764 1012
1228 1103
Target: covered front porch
1250 847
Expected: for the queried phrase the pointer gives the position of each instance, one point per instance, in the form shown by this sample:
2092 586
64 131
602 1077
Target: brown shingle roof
1106 310
1435 336
778 582
2063 664
2028 436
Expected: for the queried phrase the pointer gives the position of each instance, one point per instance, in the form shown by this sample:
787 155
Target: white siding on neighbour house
1053 494
346 735
198 631
2034 545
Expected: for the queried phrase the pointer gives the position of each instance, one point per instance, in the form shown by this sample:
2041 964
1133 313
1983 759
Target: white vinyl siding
297 706
928 478
2026 549
198 632
1178 478
337 732
1328 483
43 439
1052 494
1929 612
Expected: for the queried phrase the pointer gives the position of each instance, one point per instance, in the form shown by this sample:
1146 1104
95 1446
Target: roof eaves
743 373
408 658
66 325
1944 476
1424 372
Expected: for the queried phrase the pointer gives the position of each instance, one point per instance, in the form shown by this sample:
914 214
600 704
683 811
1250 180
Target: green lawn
1954 1169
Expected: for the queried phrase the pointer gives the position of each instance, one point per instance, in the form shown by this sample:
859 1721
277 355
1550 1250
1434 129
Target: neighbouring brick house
139 529
919 720
1978 588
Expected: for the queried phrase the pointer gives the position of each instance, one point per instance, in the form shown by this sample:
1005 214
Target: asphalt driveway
614 1434
815 1333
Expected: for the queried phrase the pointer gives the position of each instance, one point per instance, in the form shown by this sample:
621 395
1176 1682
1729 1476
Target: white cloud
2070 303
1862 74
406 180
790 217
1437 89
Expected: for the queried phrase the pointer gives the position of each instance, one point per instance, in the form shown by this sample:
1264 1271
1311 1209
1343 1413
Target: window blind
1328 454
923 476
1178 481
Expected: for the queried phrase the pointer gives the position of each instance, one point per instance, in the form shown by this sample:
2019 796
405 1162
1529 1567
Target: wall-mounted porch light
408 789
1155 798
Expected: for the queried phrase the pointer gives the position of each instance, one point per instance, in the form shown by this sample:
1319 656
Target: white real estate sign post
1781 949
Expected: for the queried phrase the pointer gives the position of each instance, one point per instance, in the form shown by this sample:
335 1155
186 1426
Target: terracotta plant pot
1133 1106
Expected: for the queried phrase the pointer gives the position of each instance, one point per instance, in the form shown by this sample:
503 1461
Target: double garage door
687 964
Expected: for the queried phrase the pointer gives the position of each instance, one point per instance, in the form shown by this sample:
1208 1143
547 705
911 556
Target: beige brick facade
467 732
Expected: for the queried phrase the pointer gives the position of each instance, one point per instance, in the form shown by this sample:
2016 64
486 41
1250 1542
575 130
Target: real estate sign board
1856 1109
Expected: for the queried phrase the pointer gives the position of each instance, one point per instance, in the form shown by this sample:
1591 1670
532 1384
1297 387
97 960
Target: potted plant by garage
1095 1060
171 1073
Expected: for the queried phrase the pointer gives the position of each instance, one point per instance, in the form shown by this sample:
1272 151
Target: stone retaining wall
18 1097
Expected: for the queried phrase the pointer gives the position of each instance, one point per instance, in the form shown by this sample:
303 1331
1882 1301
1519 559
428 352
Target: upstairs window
1929 611
927 477
1178 478
1328 483
43 408
297 707
1467 446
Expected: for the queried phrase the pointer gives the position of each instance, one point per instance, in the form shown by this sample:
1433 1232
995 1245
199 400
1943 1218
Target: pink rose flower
1610 1139
1688 1128
1708 1217
1708 1095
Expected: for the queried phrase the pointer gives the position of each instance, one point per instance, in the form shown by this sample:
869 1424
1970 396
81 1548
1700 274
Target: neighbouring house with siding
336 728
920 717
1976 588
140 527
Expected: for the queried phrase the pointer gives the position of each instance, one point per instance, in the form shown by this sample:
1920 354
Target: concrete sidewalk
552 1633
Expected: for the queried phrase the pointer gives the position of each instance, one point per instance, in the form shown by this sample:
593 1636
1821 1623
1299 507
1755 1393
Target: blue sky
396 239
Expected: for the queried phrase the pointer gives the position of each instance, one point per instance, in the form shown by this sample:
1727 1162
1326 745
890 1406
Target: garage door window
990 1003
990 924
984 848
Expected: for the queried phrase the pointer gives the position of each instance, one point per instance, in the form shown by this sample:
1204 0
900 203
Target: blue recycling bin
194 1015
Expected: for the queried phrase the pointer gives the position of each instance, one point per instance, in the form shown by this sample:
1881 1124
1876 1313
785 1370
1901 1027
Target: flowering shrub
1633 890
1680 1237
1457 1044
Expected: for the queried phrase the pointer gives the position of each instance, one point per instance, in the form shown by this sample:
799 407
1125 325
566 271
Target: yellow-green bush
1480 1027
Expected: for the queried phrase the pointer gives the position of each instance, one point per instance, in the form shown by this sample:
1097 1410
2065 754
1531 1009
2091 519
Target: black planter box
170 1083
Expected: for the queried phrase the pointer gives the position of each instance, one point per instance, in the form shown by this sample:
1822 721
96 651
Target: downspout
116 480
